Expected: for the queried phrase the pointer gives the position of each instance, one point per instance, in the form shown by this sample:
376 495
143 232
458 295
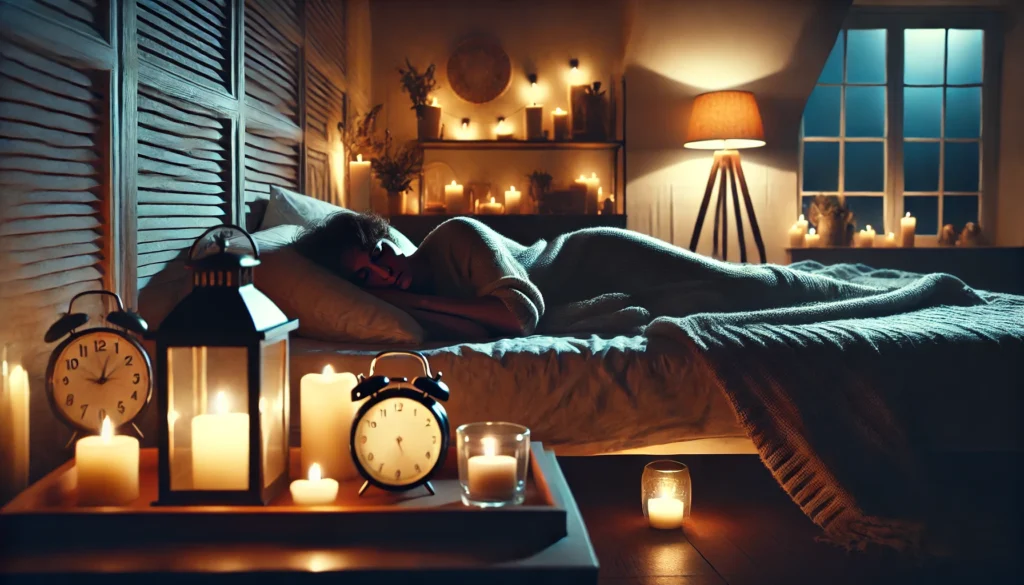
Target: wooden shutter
189 38
81 15
325 32
323 112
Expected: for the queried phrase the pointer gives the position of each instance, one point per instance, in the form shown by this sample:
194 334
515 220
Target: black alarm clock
400 434
100 372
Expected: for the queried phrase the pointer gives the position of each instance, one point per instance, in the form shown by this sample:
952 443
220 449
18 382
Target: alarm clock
399 436
98 372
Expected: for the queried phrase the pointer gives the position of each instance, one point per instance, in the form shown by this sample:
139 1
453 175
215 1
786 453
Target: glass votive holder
493 461
665 493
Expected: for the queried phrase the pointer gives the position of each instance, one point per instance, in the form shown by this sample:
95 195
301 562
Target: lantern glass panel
273 413
208 418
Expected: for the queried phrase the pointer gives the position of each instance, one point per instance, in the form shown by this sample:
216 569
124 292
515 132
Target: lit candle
534 122
359 177
315 491
325 415
491 208
796 236
14 428
220 448
454 197
434 103
512 200
593 185
908 226
811 239
802 223
889 241
866 238
107 467
491 476
503 130
665 512
560 124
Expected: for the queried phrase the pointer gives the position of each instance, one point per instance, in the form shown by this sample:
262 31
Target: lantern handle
401 352
252 243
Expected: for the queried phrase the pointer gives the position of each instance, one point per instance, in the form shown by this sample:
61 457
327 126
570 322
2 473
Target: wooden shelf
519 145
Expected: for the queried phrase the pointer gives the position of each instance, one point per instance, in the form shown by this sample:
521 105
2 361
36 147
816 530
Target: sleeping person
466 281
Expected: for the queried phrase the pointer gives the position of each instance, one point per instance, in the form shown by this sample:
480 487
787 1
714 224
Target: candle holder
493 462
665 494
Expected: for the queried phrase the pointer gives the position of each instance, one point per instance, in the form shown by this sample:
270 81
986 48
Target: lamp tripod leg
750 213
736 208
704 205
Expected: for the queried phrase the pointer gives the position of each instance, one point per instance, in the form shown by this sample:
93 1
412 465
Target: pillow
329 308
291 208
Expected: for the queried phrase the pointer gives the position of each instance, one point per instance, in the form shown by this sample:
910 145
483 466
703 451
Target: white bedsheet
579 396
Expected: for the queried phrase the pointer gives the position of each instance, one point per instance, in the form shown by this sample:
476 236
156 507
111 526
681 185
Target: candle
434 103
220 448
107 468
535 122
491 208
560 124
490 476
593 185
908 225
796 236
359 177
325 415
811 239
665 512
512 200
889 241
454 197
866 238
14 428
315 491
503 130
802 223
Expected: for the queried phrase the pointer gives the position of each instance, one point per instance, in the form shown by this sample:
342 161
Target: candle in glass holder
325 417
314 491
512 198
220 448
491 476
560 124
665 512
107 468
454 197
535 122
491 208
908 227
812 239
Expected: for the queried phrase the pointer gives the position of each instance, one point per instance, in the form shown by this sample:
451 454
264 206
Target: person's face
385 266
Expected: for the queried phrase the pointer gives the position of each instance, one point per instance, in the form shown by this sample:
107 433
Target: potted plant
833 219
595 108
396 167
540 185
419 86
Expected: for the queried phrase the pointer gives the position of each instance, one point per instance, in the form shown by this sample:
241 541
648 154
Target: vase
428 122
396 203
595 118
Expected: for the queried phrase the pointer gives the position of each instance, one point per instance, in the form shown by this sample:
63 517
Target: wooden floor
744 529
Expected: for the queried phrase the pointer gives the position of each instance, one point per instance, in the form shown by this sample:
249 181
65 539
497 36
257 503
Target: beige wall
1010 205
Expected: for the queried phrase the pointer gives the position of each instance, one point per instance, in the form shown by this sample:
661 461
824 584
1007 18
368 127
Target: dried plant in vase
971 236
595 108
360 133
833 220
419 86
396 167
540 185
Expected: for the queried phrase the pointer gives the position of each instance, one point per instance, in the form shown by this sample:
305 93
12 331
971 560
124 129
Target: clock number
71 364
373 424
135 395
127 360
66 380
85 407
414 412
369 456
398 474
398 406
99 345
384 413
381 468
70 400
83 351
120 406
362 439
117 347
135 380
416 467
428 455
102 414
428 423
434 439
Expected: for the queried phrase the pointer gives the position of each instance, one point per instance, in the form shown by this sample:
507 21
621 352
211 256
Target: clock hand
399 441
103 374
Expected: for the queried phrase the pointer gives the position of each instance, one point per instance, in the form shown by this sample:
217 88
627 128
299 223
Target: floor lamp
726 121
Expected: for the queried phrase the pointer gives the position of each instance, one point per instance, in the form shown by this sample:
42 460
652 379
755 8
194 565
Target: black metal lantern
222 381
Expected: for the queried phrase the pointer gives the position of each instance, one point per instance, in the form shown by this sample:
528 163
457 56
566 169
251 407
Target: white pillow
290 208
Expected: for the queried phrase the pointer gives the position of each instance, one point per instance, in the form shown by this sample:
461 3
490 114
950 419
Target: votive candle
316 490
107 467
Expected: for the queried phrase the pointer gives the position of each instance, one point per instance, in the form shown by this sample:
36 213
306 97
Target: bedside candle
866 238
512 198
534 122
665 513
889 241
220 448
796 236
593 185
560 124
359 183
490 476
325 418
811 239
454 198
107 467
802 223
14 428
908 226
315 491
491 208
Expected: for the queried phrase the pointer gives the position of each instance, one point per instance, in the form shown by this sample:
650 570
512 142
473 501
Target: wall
1010 206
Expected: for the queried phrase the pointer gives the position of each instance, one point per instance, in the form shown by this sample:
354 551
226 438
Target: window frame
894 21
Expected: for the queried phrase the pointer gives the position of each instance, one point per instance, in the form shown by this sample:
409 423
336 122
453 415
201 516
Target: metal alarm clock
400 434
98 372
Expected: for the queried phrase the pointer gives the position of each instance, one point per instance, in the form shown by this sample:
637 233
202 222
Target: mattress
580 396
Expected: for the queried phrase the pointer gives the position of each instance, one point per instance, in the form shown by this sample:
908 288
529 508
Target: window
894 124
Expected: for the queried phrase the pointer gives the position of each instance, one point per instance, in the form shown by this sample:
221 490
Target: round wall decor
479 70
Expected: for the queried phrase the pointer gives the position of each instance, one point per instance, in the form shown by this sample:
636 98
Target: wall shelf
519 145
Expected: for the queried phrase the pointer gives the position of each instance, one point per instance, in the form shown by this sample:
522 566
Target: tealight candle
665 512
325 418
454 197
315 491
107 468
220 448
512 198
889 241
812 239
491 476
908 227
560 124
492 208
534 122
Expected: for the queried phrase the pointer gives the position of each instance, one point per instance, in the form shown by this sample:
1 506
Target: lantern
222 381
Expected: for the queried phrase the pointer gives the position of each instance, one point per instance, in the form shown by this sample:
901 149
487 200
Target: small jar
493 461
665 494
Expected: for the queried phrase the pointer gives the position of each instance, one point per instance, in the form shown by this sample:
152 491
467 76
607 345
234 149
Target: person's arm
448 327
487 311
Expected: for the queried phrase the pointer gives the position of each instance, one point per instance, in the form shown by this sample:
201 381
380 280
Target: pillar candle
512 198
593 185
454 198
889 241
491 476
325 416
315 491
359 177
14 428
108 468
560 124
811 239
796 236
220 448
908 227
491 208
802 223
534 122
866 238
665 513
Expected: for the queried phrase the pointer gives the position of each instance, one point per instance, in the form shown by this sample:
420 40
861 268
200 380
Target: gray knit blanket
831 393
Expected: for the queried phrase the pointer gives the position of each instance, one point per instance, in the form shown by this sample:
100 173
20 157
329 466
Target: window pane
865 112
963 112
833 71
868 211
964 57
920 166
821 115
922 112
865 166
926 209
959 209
865 56
923 52
821 166
960 171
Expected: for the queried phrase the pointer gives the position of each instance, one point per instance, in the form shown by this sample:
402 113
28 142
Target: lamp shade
725 120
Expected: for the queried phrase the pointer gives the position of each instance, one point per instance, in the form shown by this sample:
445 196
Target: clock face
398 441
100 373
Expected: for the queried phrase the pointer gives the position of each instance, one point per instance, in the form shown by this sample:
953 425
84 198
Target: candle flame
892 235
434 103
559 112
490 446
359 158
107 429
512 188
465 125
582 178
868 228
328 370
600 191
172 417
315 473
492 199
593 175
907 215
220 403
454 184
811 231
801 218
